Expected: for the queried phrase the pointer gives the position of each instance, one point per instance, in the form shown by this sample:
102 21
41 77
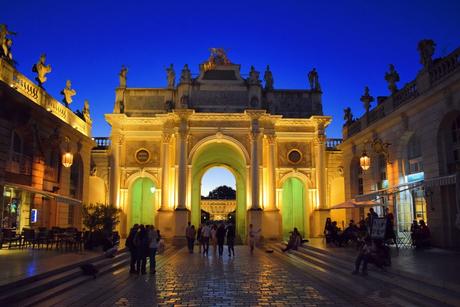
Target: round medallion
142 155
294 156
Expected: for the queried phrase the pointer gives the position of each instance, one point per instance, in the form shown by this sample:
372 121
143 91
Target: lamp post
67 157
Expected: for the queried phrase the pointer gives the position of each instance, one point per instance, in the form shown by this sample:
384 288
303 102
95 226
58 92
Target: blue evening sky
350 43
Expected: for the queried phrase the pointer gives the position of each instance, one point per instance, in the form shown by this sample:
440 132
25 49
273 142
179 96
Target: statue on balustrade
86 115
171 76
42 70
366 99
253 76
68 92
6 43
347 116
392 77
123 76
313 79
268 77
426 50
186 75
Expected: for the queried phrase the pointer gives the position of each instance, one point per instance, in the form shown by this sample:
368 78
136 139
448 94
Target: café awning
353 204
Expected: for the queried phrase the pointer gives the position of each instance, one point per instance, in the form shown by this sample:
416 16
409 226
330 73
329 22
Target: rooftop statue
268 77
367 99
123 76
392 77
186 75
6 42
313 79
426 50
68 92
347 116
253 76
218 56
86 115
171 76
41 69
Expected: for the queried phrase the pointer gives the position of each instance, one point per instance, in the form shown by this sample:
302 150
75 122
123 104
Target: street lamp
67 157
365 161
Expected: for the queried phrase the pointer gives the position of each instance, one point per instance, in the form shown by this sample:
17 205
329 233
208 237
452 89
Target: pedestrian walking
141 242
220 236
205 234
213 238
153 245
231 240
252 238
198 237
190 238
132 248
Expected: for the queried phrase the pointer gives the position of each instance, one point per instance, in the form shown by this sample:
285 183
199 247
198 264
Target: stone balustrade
331 144
39 96
218 208
102 143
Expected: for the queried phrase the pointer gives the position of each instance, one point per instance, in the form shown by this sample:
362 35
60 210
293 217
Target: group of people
211 234
143 242
420 234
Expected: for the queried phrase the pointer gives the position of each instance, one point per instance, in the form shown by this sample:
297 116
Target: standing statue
68 92
347 116
426 49
253 76
123 76
366 99
41 69
86 115
268 77
313 79
186 75
171 76
6 42
392 77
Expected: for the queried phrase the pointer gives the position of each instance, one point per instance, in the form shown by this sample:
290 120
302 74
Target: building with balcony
39 188
412 138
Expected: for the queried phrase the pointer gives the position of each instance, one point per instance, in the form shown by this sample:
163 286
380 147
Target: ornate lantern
365 161
67 157
153 190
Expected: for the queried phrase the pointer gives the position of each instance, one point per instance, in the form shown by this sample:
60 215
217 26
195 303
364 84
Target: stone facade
165 139
35 131
416 174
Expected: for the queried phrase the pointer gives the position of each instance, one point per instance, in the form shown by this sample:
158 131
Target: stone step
408 287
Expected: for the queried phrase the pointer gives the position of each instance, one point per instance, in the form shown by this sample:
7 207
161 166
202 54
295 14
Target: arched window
414 155
76 178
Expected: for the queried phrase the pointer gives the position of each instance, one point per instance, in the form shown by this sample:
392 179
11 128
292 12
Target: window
360 181
414 155
17 143
382 168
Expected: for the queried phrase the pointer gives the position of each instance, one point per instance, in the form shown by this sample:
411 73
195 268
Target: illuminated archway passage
224 155
218 195
293 211
143 205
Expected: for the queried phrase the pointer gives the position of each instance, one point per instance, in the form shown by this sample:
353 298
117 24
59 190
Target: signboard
33 215
142 156
378 228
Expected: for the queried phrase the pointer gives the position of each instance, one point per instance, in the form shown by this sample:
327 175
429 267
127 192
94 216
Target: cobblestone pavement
261 279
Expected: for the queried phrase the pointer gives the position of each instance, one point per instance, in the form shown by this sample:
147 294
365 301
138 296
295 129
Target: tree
101 221
222 192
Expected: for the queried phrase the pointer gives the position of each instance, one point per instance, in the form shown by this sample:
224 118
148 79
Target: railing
405 94
446 66
23 85
102 142
354 128
19 164
331 144
376 114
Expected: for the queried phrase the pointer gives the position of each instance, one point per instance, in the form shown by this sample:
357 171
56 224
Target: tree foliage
100 217
222 192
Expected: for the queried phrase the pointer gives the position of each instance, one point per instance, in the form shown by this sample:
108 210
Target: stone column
255 139
182 182
165 172
271 173
321 176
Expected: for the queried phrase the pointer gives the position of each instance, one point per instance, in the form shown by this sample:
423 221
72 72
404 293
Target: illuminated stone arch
220 138
217 152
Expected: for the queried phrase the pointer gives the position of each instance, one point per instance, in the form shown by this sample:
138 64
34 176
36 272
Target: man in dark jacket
132 249
220 234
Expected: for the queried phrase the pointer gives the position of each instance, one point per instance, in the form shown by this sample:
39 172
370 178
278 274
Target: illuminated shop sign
415 177
33 215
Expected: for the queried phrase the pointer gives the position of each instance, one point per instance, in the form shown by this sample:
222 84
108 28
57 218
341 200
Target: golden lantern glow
67 159
365 161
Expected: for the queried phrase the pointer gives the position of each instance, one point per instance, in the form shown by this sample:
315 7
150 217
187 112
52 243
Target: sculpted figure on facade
313 79
186 75
86 114
123 76
426 50
171 76
392 77
253 76
268 77
68 92
366 99
42 70
347 116
6 42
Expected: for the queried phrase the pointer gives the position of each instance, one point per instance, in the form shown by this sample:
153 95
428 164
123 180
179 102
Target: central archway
225 155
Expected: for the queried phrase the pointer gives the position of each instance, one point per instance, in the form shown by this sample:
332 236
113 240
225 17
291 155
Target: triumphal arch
272 140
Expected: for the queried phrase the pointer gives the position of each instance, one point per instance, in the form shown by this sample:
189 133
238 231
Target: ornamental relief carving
294 154
143 153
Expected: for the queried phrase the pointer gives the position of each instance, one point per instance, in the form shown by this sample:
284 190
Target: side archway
142 202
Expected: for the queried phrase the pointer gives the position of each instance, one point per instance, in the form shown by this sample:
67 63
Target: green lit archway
225 155
143 202
294 207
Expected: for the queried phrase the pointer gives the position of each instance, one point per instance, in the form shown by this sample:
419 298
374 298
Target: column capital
166 137
271 138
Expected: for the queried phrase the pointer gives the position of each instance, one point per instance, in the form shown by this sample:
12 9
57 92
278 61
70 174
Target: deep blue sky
350 43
